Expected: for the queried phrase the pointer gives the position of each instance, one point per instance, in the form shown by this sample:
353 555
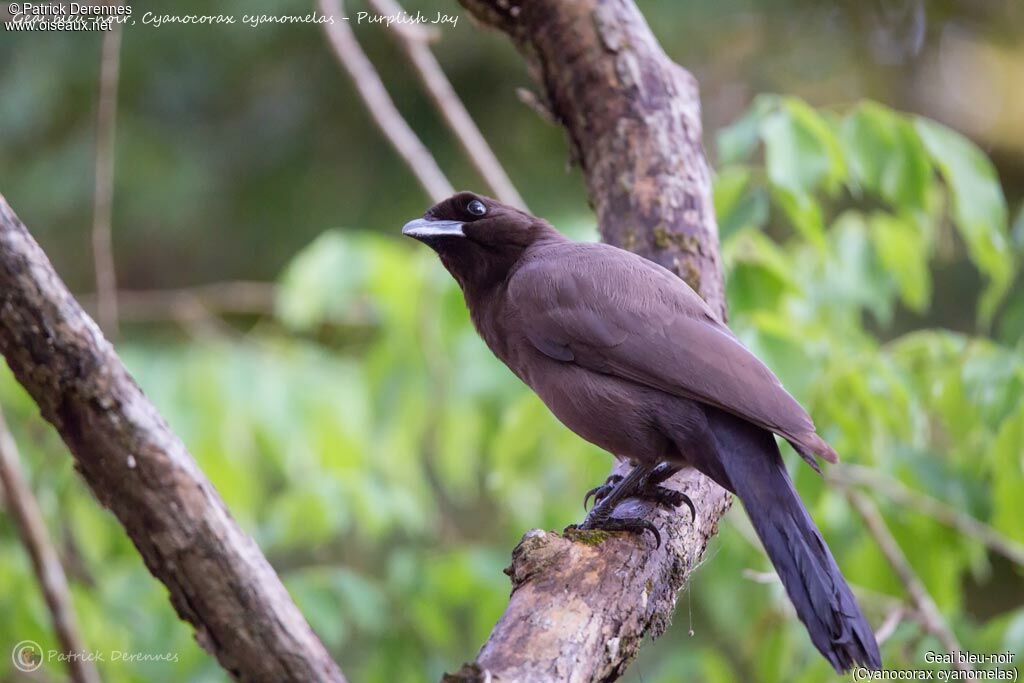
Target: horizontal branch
236 297
218 579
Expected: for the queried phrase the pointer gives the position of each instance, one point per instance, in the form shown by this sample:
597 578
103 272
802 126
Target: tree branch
387 117
928 612
633 120
232 297
447 101
581 603
217 578
102 240
28 519
890 624
943 513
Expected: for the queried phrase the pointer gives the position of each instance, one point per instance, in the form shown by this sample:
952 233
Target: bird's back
614 312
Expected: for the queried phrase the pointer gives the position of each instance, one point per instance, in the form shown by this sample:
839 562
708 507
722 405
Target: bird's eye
476 207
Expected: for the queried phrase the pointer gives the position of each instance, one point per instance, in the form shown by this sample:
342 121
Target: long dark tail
751 460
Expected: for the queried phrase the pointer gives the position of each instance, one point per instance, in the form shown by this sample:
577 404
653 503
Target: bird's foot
647 487
644 482
599 493
634 525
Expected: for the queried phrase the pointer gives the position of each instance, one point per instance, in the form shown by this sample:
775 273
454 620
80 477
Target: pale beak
421 228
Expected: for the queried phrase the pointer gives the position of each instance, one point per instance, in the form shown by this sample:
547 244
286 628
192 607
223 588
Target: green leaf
886 156
716 668
737 142
739 203
459 432
1011 319
753 247
904 251
758 271
362 597
804 214
1008 456
979 207
320 282
845 278
752 250
319 601
730 186
802 153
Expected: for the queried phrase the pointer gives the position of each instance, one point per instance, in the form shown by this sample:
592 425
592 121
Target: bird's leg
648 488
642 481
624 487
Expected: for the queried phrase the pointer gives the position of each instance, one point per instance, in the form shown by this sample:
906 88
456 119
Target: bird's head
478 238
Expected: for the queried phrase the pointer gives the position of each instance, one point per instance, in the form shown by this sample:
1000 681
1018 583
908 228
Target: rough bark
217 577
582 602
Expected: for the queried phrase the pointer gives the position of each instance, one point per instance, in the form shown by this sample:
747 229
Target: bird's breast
610 412
496 325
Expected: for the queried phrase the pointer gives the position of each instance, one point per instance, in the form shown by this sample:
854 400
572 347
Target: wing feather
611 311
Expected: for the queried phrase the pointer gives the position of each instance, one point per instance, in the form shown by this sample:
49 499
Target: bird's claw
662 495
645 484
651 489
598 493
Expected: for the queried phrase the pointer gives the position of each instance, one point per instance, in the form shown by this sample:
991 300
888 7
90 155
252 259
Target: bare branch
28 519
218 579
387 117
461 124
941 512
530 99
582 603
238 297
892 621
897 610
102 239
928 612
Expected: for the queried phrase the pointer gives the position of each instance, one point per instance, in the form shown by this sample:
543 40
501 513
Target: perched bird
630 358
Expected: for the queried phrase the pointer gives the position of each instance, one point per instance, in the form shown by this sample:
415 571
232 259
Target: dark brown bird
630 358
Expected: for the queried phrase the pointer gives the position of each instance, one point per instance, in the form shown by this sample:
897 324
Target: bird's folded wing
613 312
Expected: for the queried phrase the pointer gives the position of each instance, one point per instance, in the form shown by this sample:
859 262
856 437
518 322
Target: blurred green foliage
387 463
237 146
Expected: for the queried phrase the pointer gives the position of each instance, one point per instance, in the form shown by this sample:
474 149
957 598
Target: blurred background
323 372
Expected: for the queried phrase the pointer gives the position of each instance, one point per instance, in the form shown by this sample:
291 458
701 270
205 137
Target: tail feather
816 587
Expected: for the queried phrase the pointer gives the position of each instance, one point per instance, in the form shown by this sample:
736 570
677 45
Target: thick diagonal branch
217 577
582 604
